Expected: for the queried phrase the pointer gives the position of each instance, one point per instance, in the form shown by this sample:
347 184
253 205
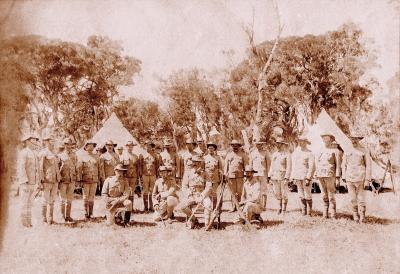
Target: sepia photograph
200 136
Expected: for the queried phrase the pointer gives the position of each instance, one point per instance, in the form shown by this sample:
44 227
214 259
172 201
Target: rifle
216 211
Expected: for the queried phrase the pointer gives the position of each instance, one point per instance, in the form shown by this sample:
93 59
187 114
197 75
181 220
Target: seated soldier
115 192
251 197
195 192
164 195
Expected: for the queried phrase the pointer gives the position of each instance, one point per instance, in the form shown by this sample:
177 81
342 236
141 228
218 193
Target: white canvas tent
114 130
325 123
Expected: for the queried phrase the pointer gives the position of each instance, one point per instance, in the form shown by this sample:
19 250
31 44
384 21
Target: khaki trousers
281 189
250 209
120 207
66 192
304 191
89 191
49 193
148 183
27 200
357 193
328 189
236 185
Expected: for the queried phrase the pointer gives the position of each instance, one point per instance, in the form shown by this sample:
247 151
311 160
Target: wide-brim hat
212 144
165 168
304 139
356 136
249 169
130 144
120 167
89 142
27 137
110 142
281 141
120 148
68 141
150 142
327 134
235 142
190 141
260 142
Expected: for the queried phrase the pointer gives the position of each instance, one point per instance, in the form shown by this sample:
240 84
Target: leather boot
355 214
151 209
86 206
303 207
91 204
68 213
145 202
362 214
50 219
333 209
127 217
309 207
280 207
62 209
284 205
325 213
44 213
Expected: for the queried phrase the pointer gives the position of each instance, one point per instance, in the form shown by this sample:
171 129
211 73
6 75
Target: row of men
50 171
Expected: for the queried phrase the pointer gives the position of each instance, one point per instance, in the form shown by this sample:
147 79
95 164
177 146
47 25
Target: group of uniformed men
190 180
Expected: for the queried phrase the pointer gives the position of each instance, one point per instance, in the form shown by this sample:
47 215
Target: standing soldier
28 171
68 161
107 163
200 147
328 174
356 169
120 154
150 168
279 173
302 172
187 156
259 162
170 158
196 192
88 175
131 162
164 195
115 193
235 162
49 177
214 169
251 197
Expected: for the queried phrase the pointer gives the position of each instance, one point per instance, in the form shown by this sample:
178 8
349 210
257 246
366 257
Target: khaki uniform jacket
251 191
187 160
260 162
235 164
174 161
48 167
87 168
328 163
194 182
115 188
281 165
213 168
164 188
356 165
28 167
132 163
150 164
303 165
107 162
67 165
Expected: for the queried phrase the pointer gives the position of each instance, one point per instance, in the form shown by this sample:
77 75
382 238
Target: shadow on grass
368 219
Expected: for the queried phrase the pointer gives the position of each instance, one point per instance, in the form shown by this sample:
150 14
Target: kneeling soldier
115 192
164 195
196 192
251 197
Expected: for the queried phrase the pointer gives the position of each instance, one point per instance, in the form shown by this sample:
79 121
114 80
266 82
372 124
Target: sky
171 35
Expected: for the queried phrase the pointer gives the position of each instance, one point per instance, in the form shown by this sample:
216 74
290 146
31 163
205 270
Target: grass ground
285 244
